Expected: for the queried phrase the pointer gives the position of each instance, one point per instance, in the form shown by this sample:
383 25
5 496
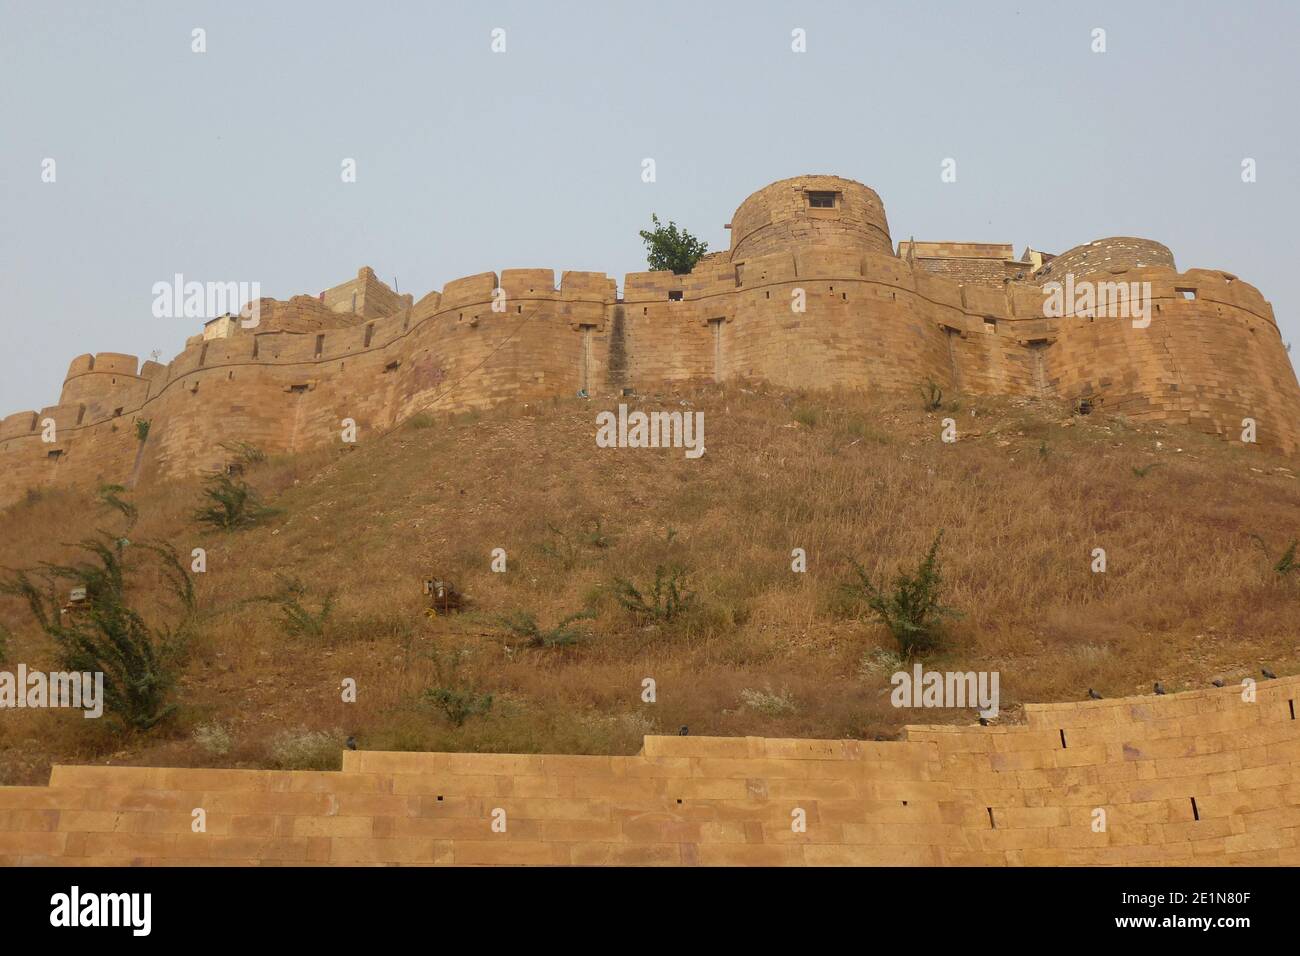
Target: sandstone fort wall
1200 778
1211 355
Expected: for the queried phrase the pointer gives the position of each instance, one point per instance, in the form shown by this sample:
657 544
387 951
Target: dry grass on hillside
1022 498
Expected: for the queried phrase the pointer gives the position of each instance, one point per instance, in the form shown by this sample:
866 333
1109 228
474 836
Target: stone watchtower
810 210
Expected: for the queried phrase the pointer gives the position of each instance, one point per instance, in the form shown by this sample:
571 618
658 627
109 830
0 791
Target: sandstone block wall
1200 778
1211 356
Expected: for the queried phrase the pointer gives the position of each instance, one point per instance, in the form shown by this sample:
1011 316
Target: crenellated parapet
810 295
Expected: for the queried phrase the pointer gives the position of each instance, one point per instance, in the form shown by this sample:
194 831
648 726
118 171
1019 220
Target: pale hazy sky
225 165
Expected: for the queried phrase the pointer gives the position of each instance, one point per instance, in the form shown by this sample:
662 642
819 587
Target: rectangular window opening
54 455
320 345
370 334
1189 294
675 295
392 366
821 200
297 389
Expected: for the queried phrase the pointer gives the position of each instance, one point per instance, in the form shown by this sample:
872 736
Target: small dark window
675 296
117 412
391 366
821 200
370 334
54 454
297 389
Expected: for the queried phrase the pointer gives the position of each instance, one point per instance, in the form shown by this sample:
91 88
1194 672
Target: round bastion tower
810 210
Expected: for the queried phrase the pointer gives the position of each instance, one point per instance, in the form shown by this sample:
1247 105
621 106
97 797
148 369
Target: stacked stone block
1199 778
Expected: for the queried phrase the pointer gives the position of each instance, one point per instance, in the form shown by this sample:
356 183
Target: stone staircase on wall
1199 778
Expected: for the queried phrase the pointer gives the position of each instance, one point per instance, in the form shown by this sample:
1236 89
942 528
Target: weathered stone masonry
964 315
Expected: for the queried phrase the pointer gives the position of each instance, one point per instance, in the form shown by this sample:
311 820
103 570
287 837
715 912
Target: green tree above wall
668 247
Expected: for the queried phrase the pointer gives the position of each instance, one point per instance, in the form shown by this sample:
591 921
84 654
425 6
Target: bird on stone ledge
685 731
1268 673
1217 682
984 721
1159 689
352 743
1093 694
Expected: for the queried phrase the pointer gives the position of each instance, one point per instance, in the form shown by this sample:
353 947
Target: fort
968 317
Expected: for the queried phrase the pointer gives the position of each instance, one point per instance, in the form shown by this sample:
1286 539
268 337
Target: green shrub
912 611
932 395
457 704
667 598
244 452
1287 562
231 504
142 428
296 619
139 660
524 624
109 495
670 248
454 694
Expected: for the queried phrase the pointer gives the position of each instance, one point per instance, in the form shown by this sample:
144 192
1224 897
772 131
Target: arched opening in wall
716 326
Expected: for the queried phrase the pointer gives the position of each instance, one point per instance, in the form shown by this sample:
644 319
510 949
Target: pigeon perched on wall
352 743
1267 673
1093 694
1217 682
1159 688
984 721
685 731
